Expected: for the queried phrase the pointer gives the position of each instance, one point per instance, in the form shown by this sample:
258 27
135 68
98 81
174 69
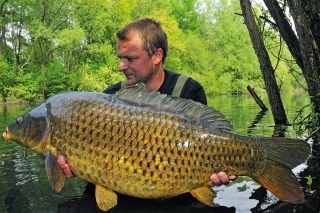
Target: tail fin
281 182
287 151
283 154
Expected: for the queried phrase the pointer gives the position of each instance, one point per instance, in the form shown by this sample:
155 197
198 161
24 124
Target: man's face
135 62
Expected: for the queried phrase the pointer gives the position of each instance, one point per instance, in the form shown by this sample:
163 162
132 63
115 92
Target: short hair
151 34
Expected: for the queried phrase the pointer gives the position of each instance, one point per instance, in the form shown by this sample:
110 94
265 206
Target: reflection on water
238 192
24 185
256 121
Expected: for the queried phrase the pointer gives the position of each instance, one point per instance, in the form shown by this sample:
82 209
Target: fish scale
150 145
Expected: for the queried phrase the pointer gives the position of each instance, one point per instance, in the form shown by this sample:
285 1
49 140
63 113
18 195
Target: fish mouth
6 136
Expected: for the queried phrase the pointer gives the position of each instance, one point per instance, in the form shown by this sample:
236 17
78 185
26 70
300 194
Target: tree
303 44
272 89
307 29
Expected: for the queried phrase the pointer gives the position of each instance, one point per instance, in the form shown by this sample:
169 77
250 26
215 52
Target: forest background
47 47
51 46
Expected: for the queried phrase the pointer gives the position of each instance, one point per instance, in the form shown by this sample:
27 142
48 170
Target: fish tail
287 151
283 154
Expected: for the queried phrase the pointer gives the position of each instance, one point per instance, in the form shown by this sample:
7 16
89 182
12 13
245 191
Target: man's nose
123 64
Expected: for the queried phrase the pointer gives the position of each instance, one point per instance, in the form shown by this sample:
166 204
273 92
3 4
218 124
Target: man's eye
130 59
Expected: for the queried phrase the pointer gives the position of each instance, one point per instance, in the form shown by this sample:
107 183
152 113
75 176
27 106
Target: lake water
24 185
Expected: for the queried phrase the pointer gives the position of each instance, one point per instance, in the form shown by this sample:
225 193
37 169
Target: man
142 49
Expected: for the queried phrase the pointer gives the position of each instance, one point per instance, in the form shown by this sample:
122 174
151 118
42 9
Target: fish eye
19 120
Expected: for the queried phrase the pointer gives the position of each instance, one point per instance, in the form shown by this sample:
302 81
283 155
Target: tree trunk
309 51
257 99
2 26
285 30
278 112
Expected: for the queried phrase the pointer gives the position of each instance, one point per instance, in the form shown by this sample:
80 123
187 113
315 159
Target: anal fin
205 195
106 198
55 174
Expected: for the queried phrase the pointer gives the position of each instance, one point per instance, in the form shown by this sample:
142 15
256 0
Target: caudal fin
281 182
287 152
283 154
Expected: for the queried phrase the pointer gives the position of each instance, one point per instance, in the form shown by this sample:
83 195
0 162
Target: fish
145 144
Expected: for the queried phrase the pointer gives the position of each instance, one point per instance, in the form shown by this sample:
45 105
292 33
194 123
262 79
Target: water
24 185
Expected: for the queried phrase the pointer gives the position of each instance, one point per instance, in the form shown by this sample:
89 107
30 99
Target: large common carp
145 144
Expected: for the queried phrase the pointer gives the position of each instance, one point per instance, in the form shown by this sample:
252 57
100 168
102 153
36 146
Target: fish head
29 129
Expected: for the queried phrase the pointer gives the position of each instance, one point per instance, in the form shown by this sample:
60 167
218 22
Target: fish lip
6 135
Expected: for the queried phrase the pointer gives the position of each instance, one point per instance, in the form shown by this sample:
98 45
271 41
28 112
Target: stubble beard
144 79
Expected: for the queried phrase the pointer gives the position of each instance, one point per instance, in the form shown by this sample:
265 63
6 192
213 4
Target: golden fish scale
145 153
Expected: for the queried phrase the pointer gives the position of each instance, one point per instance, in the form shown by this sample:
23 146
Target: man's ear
158 56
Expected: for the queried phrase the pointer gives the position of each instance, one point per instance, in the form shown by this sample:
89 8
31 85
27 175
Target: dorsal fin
141 95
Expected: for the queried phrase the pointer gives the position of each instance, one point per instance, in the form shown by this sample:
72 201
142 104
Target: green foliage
151 8
197 62
38 30
232 56
97 80
70 45
309 183
177 45
56 79
70 38
306 119
6 79
196 56
185 12
243 188
27 86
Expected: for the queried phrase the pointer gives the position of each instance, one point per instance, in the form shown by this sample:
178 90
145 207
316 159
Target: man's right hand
220 178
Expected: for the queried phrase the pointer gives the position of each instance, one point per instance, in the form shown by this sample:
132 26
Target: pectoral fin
106 198
205 195
54 172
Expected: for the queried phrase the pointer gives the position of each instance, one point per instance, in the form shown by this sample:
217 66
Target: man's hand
64 165
220 178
